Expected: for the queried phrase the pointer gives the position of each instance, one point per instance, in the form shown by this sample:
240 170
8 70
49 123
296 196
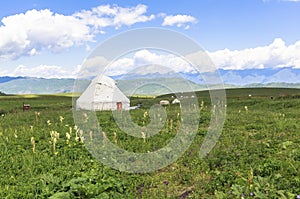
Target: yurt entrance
119 105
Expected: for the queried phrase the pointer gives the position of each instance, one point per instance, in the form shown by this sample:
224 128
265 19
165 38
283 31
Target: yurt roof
104 80
103 89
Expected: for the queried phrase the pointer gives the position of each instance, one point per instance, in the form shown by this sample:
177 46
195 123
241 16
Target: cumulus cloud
179 20
275 55
107 15
146 57
44 71
95 65
29 33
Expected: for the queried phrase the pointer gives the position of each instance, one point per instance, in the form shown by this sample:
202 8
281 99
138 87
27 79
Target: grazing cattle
164 102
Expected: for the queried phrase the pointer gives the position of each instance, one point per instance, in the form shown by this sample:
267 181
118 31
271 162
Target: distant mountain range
7 79
263 76
254 76
159 83
22 85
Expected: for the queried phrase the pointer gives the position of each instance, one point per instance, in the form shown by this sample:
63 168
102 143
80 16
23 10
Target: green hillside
256 156
157 86
253 92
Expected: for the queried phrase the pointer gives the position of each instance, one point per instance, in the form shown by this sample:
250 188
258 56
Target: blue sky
51 38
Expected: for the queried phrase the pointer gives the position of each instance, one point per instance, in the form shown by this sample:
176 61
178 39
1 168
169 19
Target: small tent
102 94
176 101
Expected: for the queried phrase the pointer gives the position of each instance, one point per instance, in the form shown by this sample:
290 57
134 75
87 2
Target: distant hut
176 101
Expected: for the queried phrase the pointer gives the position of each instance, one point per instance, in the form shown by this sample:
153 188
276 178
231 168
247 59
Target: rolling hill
249 93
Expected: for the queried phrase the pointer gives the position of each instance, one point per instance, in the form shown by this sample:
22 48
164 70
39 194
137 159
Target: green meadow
43 155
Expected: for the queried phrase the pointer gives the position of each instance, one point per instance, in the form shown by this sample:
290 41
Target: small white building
102 94
176 101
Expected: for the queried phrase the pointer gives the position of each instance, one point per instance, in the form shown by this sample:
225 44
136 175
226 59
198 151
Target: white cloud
98 64
168 60
179 20
93 66
128 64
44 71
107 15
121 66
29 33
275 55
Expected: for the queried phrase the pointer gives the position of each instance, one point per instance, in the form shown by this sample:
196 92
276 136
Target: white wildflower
144 136
54 138
49 122
85 117
82 139
68 136
115 137
91 135
145 114
33 144
61 118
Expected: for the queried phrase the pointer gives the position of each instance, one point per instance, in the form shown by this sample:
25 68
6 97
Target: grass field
257 155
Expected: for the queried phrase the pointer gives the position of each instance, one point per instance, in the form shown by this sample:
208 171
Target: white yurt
102 94
176 101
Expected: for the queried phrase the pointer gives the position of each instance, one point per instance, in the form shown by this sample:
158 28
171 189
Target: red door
119 105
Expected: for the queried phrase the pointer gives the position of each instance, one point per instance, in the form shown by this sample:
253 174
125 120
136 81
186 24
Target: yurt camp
102 94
